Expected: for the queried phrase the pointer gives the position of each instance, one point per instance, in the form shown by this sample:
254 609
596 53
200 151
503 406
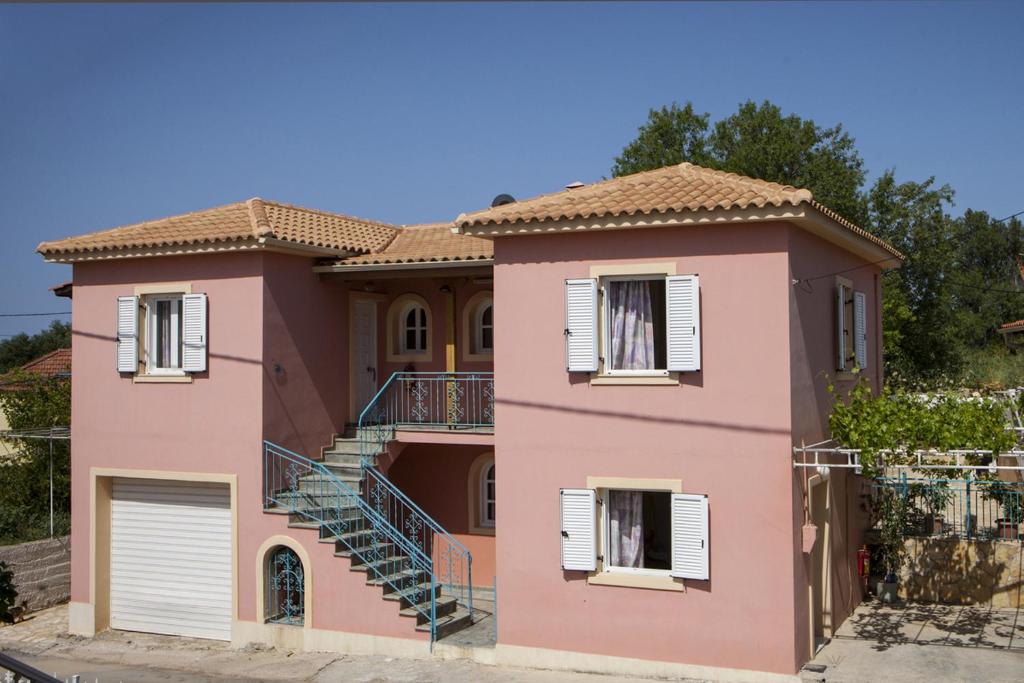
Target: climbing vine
903 422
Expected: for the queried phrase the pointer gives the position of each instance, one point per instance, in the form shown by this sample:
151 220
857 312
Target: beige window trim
599 378
662 582
476 470
262 555
164 288
142 378
469 311
394 328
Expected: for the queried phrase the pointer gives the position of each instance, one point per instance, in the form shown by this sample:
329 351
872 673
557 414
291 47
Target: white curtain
632 325
625 533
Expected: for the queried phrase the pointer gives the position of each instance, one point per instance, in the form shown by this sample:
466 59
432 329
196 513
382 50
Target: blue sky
416 112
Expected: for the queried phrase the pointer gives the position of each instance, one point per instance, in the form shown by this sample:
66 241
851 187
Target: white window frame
149 349
606 337
487 520
404 328
478 327
606 545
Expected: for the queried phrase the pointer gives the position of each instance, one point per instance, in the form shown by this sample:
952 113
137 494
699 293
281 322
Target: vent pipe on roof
502 200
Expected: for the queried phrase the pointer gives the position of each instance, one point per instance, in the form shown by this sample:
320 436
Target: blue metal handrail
330 502
424 399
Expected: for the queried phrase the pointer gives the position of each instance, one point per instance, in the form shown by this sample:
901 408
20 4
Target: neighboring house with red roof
288 422
56 363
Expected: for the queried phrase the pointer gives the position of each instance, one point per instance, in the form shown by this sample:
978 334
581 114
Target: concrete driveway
117 656
924 643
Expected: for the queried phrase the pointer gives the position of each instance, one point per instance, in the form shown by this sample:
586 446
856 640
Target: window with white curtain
638 531
634 321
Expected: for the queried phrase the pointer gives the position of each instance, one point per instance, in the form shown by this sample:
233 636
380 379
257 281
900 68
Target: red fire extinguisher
863 561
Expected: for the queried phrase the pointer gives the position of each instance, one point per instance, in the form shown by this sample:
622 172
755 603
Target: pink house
287 424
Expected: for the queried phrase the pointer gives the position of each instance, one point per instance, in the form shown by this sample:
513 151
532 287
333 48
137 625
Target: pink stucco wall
725 432
812 364
446 498
216 423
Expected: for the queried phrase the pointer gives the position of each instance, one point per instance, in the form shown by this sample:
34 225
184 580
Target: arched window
477 340
285 587
487 498
485 328
413 335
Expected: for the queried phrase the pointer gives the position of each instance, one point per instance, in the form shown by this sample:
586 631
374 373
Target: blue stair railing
424 400
310 490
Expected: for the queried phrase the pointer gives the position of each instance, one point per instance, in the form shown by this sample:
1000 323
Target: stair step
350 459
419 575
449 624
341 550
442 608
385 566
346 446
402 596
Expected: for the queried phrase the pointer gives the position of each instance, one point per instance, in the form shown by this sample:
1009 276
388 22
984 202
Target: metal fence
971 508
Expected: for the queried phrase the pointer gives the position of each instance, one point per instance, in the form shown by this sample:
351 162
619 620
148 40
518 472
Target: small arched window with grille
286 587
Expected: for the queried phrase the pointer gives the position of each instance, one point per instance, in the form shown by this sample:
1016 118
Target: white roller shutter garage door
170 558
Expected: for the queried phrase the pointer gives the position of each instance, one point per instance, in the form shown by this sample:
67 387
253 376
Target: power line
1001 220
29 315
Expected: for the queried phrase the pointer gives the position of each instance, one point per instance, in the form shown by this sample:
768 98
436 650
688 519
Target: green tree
921 343
25 494
671 136
756 141
21 348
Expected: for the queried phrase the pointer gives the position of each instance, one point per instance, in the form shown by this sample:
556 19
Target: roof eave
803 214
220 247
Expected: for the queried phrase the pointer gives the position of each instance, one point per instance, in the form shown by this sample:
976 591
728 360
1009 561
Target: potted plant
892 507
934 497
1011 505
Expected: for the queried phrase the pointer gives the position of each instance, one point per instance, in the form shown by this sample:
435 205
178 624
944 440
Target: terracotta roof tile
433 242
1012 327
684 187
240 221
52 364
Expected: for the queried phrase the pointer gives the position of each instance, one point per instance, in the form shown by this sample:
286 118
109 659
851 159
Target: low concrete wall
960 572
42 571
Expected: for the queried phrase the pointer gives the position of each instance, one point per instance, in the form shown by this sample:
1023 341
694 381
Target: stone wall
42 571
960 572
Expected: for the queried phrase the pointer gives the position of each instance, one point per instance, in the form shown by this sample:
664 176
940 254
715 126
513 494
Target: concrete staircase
385 565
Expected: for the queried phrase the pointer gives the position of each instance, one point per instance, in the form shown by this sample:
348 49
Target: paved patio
922 642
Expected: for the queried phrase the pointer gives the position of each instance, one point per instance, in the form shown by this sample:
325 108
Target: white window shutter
193 312
127 334
581 325
682 301
690 536
860 330
841 326
579 536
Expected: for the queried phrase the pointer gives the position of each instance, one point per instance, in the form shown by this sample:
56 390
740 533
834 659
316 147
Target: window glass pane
487 338
410 318
636 324
410 340
639 529
163 333
658 530
423 316
423 340
488 316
